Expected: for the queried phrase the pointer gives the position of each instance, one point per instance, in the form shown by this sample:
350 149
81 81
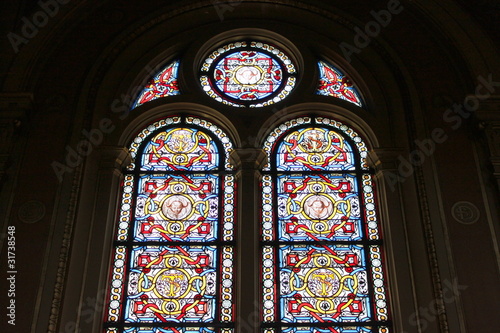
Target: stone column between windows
248 162
112 161
489 116
384 162
92 241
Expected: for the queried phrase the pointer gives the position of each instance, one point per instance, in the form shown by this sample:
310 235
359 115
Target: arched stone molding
127 129
356 117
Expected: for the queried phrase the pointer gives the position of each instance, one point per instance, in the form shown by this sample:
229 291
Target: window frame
225 173
360 152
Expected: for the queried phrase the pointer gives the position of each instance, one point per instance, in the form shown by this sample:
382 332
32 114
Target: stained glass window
173 253
334 83
250 74
321 246
162 84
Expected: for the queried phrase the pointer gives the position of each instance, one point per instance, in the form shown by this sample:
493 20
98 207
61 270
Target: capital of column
248 158
113 158
14 108
488 110
384 159
15 102
488 115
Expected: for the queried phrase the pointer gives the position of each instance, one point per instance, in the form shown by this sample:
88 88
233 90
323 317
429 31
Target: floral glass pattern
173 254
321 246
252 74
334 83
163 84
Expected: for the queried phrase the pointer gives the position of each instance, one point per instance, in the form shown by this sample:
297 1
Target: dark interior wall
64 71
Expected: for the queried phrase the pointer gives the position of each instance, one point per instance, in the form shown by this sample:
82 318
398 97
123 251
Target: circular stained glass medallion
252 74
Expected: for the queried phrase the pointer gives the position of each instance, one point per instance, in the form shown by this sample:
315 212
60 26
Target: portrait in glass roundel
248 74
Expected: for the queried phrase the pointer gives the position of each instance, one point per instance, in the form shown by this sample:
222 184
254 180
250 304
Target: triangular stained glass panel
333 82
161 85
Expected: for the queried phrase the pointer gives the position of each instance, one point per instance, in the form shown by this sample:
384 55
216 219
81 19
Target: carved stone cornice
382 159
385 163
113 158
488 115
14 109
15 101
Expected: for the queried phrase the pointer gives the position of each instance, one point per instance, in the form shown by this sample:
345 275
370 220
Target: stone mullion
248 162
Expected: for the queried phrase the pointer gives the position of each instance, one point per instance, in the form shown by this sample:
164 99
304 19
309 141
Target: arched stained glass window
334 83
173 253
321 253
163 84
253 74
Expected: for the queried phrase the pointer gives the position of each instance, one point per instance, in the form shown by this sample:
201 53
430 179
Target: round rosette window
251 74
